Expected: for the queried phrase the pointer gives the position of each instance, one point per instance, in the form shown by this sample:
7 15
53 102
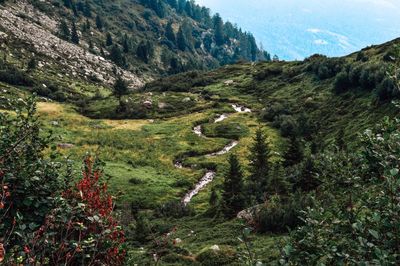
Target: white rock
215 248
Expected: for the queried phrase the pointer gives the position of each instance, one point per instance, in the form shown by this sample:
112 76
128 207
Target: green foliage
145 51
294 153
120 87
233 199
64 31
74 34
39 202
28 179
99 22
116 55
278 183
259 167
355 220
169 33
213 257
342 82
13 75
109 40
32 64
174 209
323 67
281 214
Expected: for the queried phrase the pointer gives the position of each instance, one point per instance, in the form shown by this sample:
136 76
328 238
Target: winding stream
210 175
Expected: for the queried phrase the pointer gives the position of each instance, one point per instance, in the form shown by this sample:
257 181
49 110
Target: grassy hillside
312 100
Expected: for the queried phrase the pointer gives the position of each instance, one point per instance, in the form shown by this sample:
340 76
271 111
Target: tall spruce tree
173 3
294 153
126 44
99 23
184 37
64 31
233 193
307 180
74 34
218 29
259 167
116 55
277 183
109 40
120 88
169 33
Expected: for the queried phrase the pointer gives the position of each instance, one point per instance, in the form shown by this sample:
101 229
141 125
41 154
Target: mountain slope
315 98
144 38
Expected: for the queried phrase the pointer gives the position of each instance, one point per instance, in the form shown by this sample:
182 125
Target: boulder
229 82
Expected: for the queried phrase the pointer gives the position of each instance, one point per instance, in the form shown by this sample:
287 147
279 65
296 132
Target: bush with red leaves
44 219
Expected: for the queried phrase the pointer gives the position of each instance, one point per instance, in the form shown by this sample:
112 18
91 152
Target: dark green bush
223 256
174 209
342 82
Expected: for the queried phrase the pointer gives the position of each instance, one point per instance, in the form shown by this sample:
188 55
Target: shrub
81 228
218 256
355 217
174 209
274 110
28 180
270 71
342 82
44 218
12 75
386 90
288 125
280 215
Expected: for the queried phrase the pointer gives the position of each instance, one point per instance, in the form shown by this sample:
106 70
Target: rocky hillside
95 41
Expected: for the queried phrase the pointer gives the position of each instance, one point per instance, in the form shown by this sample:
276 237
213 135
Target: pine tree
259 167
87 10
189 9
126 44
213 198
184 37
109 40
32 63
86 26
294 153
173 3
232 196
181 40
120 88
144 51
116 55
307 180
169 33
181 6
64 32
74 34
99 23
218 29
68 3
278 184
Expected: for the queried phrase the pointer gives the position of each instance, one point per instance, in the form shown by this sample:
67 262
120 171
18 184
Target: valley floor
139 157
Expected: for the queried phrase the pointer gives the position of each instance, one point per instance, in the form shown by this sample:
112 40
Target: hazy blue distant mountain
294 29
